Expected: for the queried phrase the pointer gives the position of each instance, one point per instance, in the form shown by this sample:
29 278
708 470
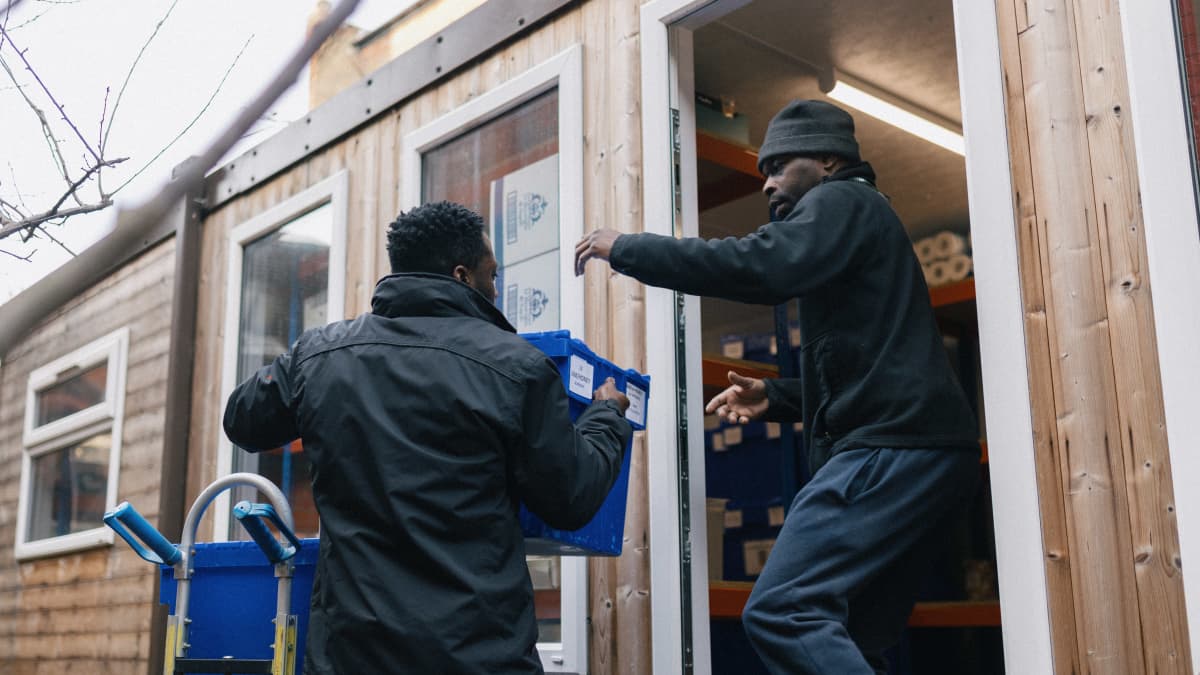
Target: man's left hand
595 244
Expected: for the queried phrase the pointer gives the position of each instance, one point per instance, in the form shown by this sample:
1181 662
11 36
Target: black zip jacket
426 422
873 371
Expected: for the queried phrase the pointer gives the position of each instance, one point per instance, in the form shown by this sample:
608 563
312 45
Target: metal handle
140 534
252 517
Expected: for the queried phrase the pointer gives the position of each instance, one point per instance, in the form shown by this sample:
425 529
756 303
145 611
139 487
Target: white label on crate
794 337
798 427
718 442
733 435
734 349
712 422
755 554
733 518
774 430
637 404
582 375
775 516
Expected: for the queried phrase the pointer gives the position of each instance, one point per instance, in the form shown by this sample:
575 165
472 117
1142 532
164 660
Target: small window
72 449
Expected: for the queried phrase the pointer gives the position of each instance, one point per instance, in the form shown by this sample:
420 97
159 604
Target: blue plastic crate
582 373
232 600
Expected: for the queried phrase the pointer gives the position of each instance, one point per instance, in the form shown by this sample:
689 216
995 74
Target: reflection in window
68 488
506 170
285 282
72 395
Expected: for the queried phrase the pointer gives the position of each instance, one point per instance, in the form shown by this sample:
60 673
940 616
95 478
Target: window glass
72 395
506 170
285 282
68 488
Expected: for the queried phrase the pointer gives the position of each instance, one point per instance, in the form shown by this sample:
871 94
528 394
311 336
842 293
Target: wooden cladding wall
607 29
1109 529
89 612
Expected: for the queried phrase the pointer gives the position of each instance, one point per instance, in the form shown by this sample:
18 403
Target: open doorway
743 65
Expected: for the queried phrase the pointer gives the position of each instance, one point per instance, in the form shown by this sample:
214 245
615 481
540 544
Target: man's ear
461 273
831 163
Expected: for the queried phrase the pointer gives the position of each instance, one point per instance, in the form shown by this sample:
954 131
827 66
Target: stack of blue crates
583 372
742 465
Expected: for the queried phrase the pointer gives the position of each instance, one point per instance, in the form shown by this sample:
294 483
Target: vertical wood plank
1083 261
1047 449
1093 474
1138 386
602 572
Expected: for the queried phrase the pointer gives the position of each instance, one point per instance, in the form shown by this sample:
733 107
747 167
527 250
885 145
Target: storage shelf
726 599
952 294
716 370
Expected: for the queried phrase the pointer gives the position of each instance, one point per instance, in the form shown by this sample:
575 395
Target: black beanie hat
809 128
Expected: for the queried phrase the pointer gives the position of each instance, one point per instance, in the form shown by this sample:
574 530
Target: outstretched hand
744 400
595 244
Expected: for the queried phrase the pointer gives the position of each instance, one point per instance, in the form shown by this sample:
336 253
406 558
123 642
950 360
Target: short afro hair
436 238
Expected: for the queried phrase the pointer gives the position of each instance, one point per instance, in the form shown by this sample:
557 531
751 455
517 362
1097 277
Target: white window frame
1159 113
38 440
333 191
563 71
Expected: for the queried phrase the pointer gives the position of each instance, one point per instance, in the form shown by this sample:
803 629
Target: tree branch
178 136
25 310
21 55
129 76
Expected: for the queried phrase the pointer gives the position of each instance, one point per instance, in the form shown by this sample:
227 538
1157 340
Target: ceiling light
857 96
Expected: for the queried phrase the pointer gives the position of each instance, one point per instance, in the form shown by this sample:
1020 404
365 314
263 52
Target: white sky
80 47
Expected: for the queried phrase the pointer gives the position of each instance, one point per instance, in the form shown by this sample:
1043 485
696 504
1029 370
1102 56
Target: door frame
666 27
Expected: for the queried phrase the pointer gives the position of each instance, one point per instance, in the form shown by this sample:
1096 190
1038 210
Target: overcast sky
79 48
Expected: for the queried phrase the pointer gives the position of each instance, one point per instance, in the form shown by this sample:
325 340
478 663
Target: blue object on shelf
232 601
582 373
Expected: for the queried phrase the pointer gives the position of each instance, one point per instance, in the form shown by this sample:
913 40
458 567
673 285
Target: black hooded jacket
426 422
873 371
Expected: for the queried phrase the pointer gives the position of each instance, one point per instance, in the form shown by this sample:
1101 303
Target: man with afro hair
426 422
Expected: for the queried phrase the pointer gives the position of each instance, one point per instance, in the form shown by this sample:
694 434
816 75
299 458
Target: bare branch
129 75
100 138
23 311
63 113
178 136
56 211
55 151
26 258
52 238
13 4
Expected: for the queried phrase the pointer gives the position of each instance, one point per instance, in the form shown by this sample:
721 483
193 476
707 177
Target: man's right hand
595 244
608 392
744 400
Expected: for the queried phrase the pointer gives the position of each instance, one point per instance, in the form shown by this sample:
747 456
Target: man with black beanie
891 440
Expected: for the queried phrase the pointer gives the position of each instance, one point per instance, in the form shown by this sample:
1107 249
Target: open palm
744 400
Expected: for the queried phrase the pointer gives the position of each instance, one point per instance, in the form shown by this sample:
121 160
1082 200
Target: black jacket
426 422
873 371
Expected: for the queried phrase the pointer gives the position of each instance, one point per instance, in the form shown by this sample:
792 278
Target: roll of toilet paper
958 267
924 248
947 244
937 273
